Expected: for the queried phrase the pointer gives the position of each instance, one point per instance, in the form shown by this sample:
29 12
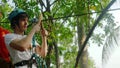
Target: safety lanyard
40 61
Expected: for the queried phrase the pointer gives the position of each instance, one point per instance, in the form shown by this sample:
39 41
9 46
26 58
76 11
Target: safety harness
35 59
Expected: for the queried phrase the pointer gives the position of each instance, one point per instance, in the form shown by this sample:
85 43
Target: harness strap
25 62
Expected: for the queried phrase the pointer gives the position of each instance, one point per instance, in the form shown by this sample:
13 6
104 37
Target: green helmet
15 12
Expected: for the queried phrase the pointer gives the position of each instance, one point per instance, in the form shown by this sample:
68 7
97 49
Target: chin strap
39 60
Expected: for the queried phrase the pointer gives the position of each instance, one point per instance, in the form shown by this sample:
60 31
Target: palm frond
112 41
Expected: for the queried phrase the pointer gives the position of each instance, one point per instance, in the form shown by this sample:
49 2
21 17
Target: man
20 45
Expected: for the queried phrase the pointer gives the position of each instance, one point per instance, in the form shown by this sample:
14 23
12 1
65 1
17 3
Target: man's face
23 23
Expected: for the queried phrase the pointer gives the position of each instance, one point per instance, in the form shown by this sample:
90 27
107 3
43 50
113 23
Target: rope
40 61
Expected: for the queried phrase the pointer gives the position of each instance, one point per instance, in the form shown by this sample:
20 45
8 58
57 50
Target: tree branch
53 2
66 19
41 3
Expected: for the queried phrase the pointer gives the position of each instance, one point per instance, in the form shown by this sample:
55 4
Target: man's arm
42 50
24 43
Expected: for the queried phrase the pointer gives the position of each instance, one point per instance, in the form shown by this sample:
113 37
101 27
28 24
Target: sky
95 52
114 61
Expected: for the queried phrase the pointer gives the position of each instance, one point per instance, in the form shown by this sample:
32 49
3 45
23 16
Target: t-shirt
16 55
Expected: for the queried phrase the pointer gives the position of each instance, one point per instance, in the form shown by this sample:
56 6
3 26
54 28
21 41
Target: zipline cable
74 15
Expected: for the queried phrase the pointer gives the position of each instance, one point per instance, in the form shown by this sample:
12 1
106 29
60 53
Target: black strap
25 62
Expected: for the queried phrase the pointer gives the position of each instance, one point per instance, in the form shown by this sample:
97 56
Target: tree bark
81 38
56 54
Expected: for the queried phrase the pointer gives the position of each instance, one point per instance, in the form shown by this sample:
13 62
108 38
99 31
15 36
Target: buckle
30 62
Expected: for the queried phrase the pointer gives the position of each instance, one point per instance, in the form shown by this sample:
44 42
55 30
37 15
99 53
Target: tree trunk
56 54
81 38
48 60
84 59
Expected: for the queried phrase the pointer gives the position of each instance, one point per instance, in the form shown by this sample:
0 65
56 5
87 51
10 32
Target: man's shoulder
9 34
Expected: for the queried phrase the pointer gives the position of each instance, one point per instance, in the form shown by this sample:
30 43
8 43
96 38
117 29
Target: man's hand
42 29
38 26
44 32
